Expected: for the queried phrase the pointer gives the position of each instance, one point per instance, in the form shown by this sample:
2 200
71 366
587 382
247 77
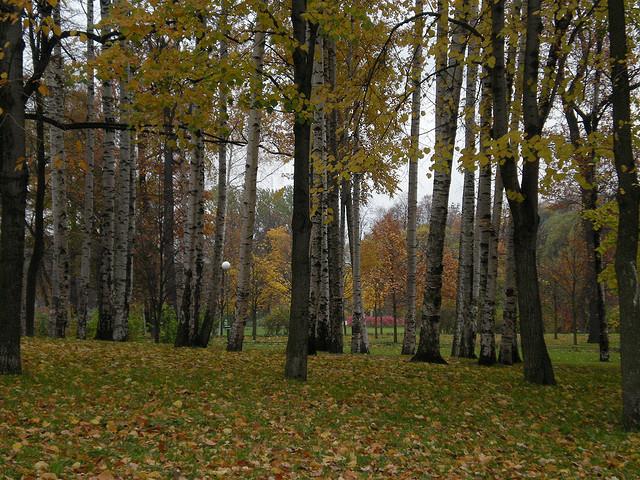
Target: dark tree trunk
38 230
13 188
303 54
168 245
524 206
628 197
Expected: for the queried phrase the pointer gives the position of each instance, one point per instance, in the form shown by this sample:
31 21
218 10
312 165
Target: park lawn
138 410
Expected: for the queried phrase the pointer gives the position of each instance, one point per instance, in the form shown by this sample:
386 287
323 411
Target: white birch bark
487 325
107 216
449 65
122 221
236 338
464 338
359 334
409 340
215 291
60 267
318 171
84 286
508 340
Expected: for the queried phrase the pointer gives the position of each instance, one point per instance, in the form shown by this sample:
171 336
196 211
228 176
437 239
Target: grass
138 410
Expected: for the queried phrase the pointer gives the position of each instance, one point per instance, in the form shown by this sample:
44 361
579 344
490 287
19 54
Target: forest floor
137 410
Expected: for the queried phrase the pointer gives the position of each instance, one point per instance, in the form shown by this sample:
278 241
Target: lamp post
225 298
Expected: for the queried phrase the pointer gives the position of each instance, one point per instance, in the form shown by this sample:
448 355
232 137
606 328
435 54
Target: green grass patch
138 410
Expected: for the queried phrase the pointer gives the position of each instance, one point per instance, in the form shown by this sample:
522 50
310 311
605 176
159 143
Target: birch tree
335 240
58 319
87 210
215 289
449 65
317 340
236 336
359 334
464 334
122 220
107 216
409 340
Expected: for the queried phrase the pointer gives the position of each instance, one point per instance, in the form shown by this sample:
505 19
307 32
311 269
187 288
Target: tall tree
409 340
336 217
236 336
628 197
449 66
60 267
317 339
215 289
587 167
13 187
359 334
38 229
107 216
464 334
122 222
87 210
304 34
523 194
509 340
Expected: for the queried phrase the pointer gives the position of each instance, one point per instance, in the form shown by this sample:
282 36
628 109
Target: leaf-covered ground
137 410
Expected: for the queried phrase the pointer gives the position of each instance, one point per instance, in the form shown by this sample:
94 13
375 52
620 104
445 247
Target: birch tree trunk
87 209
121 240
409 340
193 239
448 85
215 291
13 188
322 320
359 334
628 204
487 325
58 317
464 334
508 342
317 226
335 257
236 337
107 216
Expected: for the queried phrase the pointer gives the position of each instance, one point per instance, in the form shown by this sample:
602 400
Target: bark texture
236 336
409 340
523 201
359 334
448 84
464 334
216 287
13 189
84 286
628 197
335 240
58 315
107 215
303 55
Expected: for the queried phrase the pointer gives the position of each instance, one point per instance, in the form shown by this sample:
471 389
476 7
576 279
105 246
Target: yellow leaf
43 89
177 404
